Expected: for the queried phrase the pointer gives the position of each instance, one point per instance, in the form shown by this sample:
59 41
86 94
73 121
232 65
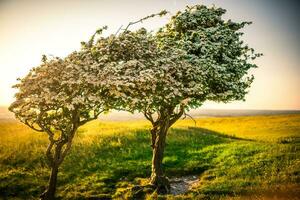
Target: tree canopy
195 57
215 46
56 93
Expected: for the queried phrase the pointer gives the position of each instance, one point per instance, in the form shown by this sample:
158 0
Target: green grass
233 156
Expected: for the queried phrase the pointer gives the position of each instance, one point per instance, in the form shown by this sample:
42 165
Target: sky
31 28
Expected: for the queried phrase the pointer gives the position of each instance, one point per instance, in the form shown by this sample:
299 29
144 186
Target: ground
254 157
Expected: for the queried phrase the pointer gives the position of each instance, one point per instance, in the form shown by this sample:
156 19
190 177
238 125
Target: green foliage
196 56
216 48
58 94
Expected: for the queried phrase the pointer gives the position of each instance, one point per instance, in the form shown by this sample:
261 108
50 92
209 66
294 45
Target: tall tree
196 56
57 98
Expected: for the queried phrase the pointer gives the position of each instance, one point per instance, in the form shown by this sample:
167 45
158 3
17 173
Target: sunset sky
29 29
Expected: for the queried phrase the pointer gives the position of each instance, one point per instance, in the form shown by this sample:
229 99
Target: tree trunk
157 176
166 118
56 158
49 194
153 136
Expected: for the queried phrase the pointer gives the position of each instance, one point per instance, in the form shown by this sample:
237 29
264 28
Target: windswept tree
197 56
57 98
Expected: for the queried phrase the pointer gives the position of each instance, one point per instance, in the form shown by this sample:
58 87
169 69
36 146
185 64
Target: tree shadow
186 152
211 132
132 157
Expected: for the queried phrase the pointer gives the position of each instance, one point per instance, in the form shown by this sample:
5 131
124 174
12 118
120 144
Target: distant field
197 113
234 158
275 128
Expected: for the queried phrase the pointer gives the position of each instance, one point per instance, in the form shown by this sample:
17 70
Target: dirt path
181 185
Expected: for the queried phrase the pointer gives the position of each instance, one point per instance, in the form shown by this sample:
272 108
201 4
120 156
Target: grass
234 157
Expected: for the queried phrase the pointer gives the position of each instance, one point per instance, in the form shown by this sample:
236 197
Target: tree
57 98
195 57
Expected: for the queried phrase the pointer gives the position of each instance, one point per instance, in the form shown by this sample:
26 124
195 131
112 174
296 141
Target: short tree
195 57
57 98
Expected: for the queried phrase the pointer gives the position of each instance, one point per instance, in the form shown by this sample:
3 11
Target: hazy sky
29 29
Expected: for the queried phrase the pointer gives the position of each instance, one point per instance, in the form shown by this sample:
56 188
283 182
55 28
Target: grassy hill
233 157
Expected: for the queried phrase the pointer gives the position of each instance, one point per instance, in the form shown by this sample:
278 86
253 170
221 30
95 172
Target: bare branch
97 32
185 114
161 13
31 125
119 29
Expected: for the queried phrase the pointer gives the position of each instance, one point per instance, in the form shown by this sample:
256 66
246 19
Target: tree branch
68 147
96 114
48 152
148 116
32 126
119 29
176 116
190 117
92 39
161 13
